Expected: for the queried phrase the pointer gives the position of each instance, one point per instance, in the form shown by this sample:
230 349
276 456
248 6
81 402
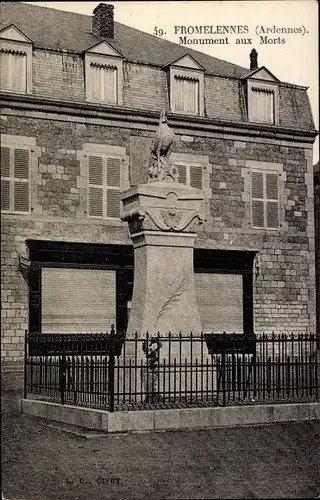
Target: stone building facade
317 241
81 98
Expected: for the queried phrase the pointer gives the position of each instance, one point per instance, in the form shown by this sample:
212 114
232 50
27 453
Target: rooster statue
160 168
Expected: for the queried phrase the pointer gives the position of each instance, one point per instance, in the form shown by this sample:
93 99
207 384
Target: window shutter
272 215
113 203
19 72
272 206
5 162
257 213
262 105
4 70
5 195
257 185
272 187
113 172
113 180
182 174
196 177
21 186
257 204
109 87
21 197
95 186
186 94
13 71
21 164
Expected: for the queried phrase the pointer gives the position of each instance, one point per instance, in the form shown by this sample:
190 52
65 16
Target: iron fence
109 371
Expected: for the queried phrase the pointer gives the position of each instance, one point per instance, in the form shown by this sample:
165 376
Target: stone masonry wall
146 87
57 74
284 296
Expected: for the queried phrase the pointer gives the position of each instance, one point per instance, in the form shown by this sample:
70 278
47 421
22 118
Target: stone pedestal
163 219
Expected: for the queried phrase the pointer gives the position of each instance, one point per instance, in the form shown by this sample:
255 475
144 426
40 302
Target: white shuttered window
185 97
104 83
262 105
15 183
190 175
104 186
220 302
265 200
13 71
78 300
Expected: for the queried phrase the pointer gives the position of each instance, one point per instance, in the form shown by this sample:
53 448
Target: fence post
25 364
317 374
62 371
111 369
62 376
224 370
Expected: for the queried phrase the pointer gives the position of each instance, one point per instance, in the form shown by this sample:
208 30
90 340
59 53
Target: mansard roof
60 30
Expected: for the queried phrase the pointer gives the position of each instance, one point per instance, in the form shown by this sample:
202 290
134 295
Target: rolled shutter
196 176
220 302
257 204
95 186
78 300
182 174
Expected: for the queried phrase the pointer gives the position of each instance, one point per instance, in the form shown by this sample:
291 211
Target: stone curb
158 420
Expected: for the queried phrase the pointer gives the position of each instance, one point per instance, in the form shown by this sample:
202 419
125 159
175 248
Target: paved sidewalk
42 463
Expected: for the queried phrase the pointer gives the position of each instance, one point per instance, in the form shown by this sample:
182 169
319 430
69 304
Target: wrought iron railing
109 371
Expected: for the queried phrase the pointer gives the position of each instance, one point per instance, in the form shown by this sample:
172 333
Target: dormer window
15 61
262 96
104 83
262 102
13 64
186 86
185 95
103 74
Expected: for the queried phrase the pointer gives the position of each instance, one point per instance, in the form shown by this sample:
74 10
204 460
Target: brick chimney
253 59
102 21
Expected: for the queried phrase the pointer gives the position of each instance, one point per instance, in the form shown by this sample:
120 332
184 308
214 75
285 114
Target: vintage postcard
160 246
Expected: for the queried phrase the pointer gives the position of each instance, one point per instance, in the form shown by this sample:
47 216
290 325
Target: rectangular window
262 105
185 97
15 183
104 187
13 71
265 200
191 175
78 300
103 83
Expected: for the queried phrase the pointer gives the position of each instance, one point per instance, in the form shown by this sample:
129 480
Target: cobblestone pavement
43 463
